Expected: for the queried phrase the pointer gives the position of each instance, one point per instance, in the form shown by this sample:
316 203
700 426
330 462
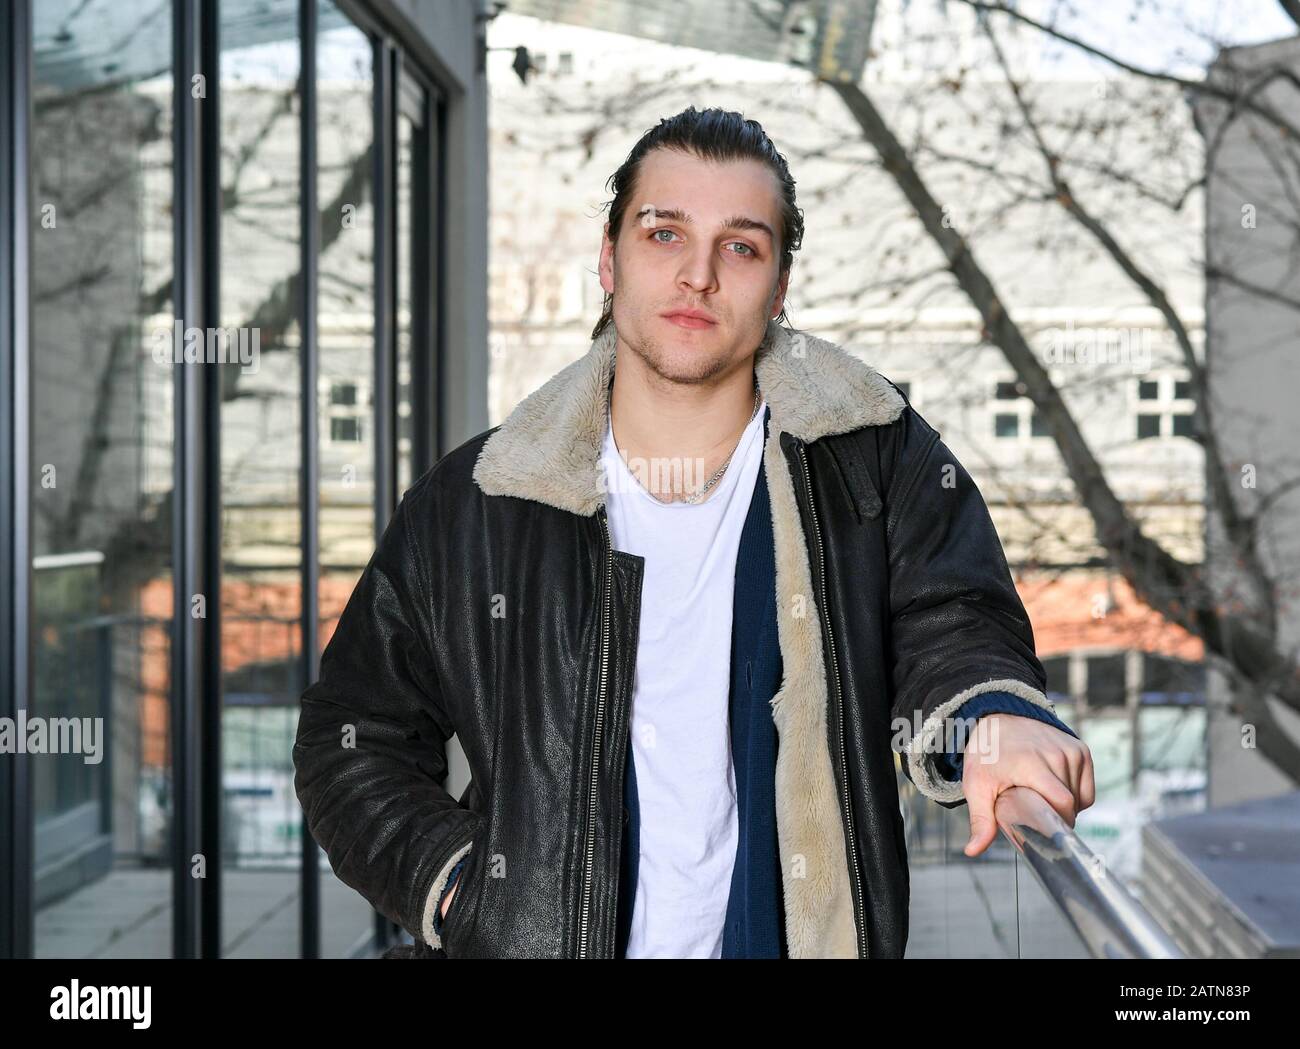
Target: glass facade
261 459
102 417
231 297
346 79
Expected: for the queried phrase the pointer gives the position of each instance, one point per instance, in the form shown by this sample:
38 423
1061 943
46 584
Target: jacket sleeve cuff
952 763
925 752
431 933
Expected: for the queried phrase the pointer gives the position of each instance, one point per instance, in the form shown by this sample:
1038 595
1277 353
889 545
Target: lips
689 319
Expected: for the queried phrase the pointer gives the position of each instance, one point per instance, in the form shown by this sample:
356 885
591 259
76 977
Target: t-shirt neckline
727 479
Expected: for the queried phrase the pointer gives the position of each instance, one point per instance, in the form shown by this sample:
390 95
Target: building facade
242 247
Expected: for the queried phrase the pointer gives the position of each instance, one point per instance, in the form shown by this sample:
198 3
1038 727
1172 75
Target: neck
700 423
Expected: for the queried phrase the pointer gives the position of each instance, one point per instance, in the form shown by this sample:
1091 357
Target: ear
778 301
606 261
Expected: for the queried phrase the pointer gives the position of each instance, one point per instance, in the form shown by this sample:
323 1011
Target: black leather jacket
494 608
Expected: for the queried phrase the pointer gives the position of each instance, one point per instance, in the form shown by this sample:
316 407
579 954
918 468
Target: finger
1061 765
1057 793
1077 768
1073 772
983 825
1064 793
1074 778
1088 785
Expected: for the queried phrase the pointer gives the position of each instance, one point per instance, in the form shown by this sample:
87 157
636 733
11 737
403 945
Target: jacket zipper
858 916
590 854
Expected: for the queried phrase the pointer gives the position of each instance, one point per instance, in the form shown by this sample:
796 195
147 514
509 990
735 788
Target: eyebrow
736 222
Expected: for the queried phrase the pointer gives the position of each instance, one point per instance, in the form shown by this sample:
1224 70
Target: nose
698 269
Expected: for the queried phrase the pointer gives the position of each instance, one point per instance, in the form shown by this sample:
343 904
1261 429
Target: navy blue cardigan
755 920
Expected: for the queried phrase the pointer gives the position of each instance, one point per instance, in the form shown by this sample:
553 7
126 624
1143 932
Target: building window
1019 419
565 66
1106 680
345 409
345 428
905 388
1164 398
1166 680
1160 680
1058 678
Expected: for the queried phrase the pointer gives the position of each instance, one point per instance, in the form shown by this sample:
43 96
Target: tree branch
1203 87
1175 589
1239 534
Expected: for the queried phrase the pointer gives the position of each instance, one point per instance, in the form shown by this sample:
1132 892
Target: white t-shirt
681 733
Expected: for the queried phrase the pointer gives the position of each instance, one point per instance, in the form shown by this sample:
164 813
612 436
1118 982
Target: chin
691 367
679 355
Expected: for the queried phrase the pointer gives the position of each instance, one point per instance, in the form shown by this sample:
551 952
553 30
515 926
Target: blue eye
658 231
738 244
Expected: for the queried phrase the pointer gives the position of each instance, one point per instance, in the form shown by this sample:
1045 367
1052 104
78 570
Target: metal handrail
1109 921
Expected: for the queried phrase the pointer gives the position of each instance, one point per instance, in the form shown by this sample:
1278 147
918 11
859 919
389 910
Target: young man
681 613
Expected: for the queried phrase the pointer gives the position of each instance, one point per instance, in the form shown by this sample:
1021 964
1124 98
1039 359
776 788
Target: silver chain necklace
722 469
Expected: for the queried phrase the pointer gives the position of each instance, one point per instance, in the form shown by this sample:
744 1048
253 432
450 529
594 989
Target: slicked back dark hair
717 135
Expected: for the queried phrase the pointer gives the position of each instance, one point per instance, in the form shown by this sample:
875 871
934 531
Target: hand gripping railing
1111 923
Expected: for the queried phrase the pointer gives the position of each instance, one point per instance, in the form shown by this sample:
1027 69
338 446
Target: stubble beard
671 367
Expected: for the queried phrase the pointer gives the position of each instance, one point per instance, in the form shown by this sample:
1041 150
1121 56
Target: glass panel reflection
345 87
102 475
404 423
261 593
416 397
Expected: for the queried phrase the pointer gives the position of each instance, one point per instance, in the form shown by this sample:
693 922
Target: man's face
692 239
